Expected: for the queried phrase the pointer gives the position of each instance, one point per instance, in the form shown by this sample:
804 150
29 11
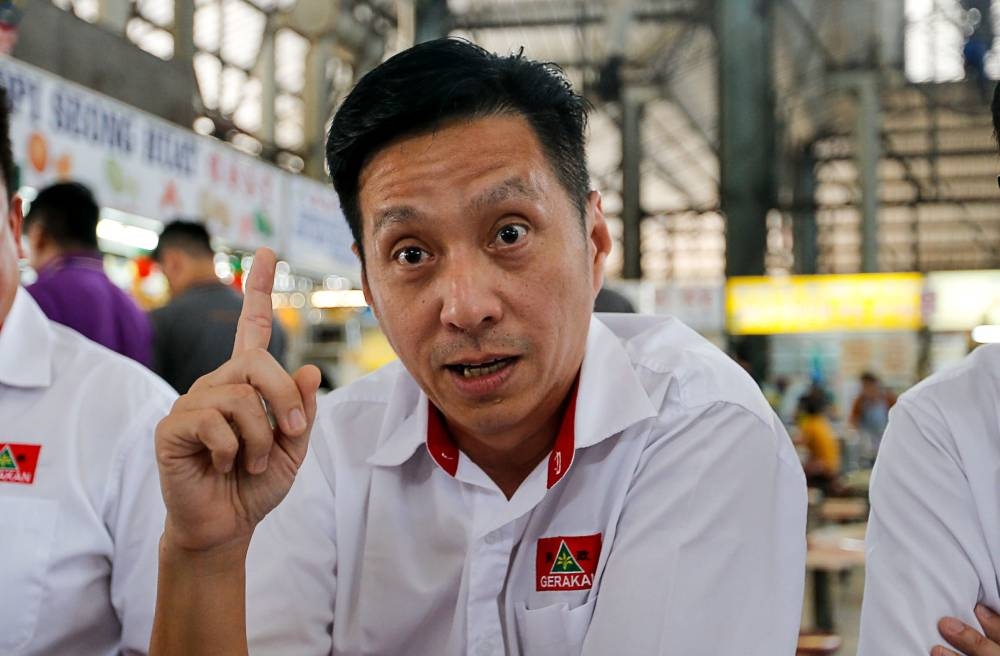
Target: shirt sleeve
720 568
135 516
291 569
924 538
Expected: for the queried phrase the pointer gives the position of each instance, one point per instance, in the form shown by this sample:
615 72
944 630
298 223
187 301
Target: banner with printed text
137 163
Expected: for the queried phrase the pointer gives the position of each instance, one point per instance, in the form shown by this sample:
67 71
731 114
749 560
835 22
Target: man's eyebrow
393 215
515 187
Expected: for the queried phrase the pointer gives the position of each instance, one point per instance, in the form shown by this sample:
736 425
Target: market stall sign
824 303
961 300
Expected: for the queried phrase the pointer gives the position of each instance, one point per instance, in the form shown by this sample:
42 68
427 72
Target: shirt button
493 537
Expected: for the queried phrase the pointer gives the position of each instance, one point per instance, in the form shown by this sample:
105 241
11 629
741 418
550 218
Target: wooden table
818 645
844 510
832 549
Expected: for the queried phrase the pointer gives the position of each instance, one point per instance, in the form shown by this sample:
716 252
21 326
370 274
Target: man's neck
508 459
196 279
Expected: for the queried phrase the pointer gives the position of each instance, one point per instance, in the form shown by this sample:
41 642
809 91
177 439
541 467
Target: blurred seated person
870 412
194 332
72 288
608 300
816 434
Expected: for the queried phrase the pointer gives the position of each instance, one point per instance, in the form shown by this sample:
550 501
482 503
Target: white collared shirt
80 506
933 543
670 519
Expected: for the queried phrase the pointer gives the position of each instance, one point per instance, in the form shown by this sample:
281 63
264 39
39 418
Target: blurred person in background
193 333
934 532
609 300
72 288
816 434
79 491
870 410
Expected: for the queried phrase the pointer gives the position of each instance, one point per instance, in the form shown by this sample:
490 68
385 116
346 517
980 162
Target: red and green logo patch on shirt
567 563
18 462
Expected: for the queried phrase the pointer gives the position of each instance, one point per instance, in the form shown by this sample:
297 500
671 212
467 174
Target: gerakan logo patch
18 462
567 562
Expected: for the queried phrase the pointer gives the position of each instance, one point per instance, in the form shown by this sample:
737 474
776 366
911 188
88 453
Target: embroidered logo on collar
567 563
18 462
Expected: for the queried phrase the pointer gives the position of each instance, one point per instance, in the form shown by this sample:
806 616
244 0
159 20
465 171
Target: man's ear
15 219
598 238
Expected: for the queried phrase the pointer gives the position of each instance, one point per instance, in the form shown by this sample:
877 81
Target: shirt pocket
25 551
556 630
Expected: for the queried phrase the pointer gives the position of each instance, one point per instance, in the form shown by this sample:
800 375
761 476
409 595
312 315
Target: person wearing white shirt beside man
79 495
932 569
527 479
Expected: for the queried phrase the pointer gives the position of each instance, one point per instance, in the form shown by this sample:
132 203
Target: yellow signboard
825 303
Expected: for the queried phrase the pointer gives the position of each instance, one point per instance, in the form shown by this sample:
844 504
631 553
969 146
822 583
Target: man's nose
470 299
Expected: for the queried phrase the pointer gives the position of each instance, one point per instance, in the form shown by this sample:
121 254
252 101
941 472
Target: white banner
137 163
318 239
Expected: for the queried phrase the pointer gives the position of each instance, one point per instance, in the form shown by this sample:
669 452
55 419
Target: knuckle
245 392
227 449
208 420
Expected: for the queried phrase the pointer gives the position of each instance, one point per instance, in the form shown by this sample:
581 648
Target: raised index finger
253 330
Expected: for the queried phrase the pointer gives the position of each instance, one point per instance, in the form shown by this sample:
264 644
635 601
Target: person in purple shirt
72 288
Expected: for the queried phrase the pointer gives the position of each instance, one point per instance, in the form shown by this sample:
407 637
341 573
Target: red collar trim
439 443
445 453
562 452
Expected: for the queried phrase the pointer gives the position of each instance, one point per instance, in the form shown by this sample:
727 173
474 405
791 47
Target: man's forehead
517 186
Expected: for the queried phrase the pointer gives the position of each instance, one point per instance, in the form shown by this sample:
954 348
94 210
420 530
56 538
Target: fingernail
984 613
297 420
259 465
952 626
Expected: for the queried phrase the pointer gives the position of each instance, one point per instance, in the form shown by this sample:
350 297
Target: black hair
7 166
868 377
189 236
68 213
433 83
812 403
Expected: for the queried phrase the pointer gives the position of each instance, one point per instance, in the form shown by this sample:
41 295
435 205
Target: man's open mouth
481 368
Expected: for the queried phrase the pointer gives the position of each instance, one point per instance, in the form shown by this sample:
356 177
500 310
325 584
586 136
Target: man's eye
511 234
411 255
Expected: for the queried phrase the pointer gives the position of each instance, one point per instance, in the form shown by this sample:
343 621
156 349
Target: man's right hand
222 466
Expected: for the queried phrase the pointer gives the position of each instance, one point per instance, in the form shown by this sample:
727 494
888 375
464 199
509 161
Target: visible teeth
482 369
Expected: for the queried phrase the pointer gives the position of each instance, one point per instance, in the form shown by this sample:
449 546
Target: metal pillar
432 18
746 146
268 84
316 98
631 189
804 246
184 31
869 151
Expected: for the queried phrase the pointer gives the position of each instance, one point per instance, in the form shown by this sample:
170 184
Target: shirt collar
25 345
606 399
87 259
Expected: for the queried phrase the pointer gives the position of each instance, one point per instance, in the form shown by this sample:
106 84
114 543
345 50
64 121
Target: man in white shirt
934 532
79 495
527 479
